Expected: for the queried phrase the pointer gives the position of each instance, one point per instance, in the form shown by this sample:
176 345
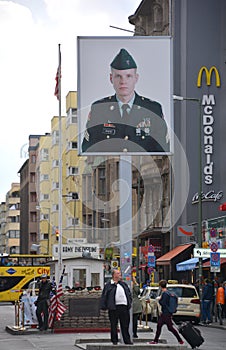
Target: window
33 216
44 196
55 137
72 170
44 216
75 221
55 207
44 177
32 177
55 163
33 237
13 234
72 116
55 185
79 278
44 154
33 197
95 279
45 236
33 159
14 218
102 181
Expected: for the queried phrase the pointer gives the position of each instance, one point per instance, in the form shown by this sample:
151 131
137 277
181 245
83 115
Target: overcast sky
30 33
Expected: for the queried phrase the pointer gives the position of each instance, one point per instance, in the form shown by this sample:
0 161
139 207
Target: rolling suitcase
191 334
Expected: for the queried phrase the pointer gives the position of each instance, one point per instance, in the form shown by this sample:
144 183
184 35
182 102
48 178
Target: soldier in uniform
126 121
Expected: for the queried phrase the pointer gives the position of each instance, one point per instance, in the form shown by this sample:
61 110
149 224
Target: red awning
166 258
207 263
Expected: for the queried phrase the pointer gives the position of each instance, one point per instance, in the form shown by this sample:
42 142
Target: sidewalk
101 340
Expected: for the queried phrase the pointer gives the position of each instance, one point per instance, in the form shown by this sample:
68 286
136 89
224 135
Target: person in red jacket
220 299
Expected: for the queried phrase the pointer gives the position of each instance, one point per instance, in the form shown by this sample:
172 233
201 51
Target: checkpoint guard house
83 266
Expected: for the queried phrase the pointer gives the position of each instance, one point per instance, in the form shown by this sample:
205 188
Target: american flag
57 92
56 308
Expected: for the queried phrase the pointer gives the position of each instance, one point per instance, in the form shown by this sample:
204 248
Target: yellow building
12 226
48 180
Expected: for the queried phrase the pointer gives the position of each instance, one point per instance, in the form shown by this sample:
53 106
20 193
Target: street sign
205 253
215 259
215 269
151 261
214 246
151 249
213 233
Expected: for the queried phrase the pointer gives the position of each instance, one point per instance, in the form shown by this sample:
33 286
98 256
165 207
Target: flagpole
60 171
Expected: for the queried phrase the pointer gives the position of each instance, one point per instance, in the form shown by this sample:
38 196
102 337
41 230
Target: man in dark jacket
207 299
42 303
126 121
117 299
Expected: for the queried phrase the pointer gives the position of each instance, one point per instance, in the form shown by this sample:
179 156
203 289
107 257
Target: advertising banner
125 95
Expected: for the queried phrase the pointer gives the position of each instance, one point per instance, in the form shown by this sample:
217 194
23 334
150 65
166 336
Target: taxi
149 302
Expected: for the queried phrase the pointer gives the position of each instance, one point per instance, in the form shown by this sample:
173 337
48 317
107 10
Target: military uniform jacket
143 130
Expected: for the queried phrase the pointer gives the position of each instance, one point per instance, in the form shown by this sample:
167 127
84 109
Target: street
214 338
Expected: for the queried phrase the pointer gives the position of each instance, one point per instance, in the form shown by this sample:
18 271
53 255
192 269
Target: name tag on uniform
108 129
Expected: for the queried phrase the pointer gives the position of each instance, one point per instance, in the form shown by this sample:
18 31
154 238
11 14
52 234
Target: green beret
123 60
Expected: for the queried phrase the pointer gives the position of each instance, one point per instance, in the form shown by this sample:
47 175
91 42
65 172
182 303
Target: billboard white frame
153 56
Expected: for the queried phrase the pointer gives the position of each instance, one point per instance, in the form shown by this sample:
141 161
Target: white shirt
130 104
120 296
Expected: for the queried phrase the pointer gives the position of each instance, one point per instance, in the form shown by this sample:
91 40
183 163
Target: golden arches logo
209 73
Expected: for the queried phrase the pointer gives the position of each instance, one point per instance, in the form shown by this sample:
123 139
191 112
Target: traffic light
220 233
57 232
74 195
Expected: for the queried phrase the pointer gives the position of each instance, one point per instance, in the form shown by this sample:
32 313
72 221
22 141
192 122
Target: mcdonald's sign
208 73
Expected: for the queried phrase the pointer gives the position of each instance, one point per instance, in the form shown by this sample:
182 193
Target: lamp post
48 209
105 220
197 100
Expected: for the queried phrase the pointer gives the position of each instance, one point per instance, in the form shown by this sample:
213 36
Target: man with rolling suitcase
166 315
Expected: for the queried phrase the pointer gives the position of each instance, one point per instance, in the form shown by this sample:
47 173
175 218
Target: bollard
22 314
146 314
17 314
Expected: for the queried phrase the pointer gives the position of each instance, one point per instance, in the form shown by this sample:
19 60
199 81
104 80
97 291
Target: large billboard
125 95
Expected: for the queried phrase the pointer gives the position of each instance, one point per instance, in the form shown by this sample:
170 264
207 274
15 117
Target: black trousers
122 315
42 308
135 323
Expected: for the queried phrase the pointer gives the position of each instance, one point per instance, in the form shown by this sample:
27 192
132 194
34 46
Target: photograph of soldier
125 121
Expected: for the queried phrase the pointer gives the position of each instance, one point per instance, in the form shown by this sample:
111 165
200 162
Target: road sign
213 233
151 261
215 269
205 253
151 248
215 259
214 246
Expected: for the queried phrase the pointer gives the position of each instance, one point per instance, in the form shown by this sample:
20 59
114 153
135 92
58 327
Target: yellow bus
17 271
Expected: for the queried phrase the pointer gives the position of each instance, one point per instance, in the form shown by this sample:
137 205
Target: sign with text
77 250
205 253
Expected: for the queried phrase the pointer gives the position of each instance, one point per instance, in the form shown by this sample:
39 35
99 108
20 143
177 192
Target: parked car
149 302
189 308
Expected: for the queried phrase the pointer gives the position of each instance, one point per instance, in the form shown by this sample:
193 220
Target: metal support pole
181 98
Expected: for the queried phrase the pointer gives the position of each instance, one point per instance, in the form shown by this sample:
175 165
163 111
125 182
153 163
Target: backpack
173 302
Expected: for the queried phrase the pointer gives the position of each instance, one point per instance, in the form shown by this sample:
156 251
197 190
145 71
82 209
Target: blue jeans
206 305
